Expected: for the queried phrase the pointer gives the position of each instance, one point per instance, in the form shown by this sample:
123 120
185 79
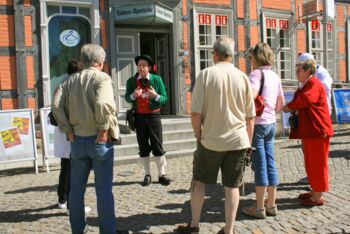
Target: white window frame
321 50
198 47
44 22
277 51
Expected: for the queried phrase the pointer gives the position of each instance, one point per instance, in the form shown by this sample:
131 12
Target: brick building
38 37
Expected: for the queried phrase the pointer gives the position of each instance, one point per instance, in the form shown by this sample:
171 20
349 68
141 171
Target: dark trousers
63 181
149 134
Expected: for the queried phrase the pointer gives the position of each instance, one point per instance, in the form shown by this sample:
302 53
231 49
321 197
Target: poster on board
341 99
17 136
288 96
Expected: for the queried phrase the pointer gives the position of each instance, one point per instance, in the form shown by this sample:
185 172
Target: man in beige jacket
85 110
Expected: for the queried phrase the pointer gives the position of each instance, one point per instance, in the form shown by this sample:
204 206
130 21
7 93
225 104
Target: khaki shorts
206 165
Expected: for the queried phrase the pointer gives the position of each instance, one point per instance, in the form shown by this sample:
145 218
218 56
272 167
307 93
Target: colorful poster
22 124
11 140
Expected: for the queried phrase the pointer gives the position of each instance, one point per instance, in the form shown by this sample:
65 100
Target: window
316 43
208 28
277 35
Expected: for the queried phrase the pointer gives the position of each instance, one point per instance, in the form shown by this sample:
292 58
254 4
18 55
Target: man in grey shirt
85 110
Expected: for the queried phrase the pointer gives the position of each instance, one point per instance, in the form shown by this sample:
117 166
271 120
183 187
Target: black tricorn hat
144 57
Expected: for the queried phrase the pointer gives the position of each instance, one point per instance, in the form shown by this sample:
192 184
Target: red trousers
316 152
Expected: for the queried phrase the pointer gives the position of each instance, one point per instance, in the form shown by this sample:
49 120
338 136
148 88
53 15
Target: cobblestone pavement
28 201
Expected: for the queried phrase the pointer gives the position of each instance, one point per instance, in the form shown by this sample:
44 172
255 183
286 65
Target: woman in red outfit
314 129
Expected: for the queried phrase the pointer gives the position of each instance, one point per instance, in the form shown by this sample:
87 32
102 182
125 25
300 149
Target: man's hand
137 92
152 93
70 136
102 137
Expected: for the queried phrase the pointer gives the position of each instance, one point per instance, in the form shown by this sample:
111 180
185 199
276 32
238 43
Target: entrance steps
178 140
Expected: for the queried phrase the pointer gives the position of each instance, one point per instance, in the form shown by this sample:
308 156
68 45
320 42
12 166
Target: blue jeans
87 155
263 158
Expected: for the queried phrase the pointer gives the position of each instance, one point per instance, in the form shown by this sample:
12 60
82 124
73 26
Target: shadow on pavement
17 171
292 186
340 154
28 215
49 188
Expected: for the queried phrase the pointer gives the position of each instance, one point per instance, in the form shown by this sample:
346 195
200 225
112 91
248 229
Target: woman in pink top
266 178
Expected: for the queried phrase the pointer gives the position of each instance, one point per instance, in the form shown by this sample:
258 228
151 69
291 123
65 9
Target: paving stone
28 202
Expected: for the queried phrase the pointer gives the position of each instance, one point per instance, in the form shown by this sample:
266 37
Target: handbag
293 121
52 119
130 118
259 100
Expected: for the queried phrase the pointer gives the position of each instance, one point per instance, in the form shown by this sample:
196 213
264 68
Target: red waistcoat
143 101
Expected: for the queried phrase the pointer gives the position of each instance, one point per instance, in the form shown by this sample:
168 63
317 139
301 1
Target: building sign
330 8
329 27
70 38
141 11
315 25
220 19
204 19
270 23
283 24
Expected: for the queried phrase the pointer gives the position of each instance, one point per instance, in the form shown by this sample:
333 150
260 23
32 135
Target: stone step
167 136
132 149
122 160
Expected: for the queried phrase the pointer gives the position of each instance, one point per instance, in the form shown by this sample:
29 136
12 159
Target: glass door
67 34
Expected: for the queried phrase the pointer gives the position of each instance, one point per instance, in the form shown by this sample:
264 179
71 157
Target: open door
162 60
127 49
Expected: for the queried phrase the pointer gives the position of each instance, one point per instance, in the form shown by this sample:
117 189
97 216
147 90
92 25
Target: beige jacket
84 103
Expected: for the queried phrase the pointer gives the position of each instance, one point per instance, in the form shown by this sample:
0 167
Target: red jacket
313 116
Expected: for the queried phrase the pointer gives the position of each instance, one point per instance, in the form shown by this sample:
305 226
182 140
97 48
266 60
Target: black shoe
146 181
187 229
122 231
164 180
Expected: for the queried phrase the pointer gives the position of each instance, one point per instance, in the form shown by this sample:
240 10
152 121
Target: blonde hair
263 54
308 64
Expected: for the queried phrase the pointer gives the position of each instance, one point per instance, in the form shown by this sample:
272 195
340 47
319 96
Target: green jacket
156 82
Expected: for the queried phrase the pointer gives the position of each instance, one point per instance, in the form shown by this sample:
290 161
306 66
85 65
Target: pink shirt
271 90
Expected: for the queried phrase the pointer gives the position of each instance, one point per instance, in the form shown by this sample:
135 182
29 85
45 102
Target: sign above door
152 13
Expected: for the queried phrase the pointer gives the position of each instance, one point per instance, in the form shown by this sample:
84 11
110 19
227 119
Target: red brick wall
240 38
252 10
30 72
216 2
240 9
28 32
301 41
7 35
9 103
254 35
6 2
340 15
277 4
8 78
342 70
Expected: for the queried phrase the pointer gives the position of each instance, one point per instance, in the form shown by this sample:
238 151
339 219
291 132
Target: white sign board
17 136
288 96
48 132
330 8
